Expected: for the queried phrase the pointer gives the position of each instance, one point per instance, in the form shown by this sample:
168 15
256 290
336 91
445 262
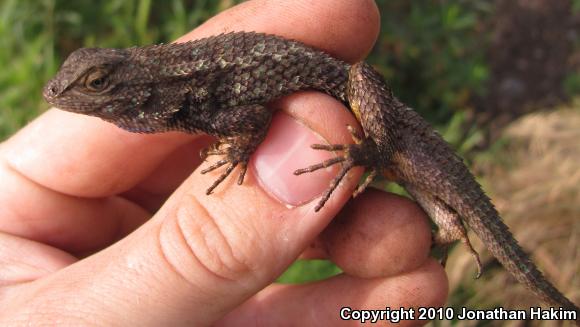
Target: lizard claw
333 185
475 256
327 163
370 177
465 240
324 164
215 166
445 254
221 178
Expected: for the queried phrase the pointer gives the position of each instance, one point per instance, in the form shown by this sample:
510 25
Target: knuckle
209 246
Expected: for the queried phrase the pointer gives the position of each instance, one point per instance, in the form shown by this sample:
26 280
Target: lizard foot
450 232
474 254
363 153
467 243
444 247
235 154
240 129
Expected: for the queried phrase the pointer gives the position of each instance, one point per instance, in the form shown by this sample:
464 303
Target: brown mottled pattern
220 85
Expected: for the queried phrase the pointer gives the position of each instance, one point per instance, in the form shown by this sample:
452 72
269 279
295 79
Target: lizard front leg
239 130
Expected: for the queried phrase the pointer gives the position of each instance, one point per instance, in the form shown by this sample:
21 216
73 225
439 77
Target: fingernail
285 149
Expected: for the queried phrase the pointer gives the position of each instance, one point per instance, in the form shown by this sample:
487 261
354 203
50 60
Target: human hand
101 226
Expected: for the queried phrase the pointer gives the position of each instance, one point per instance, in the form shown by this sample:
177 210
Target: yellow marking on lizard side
355 108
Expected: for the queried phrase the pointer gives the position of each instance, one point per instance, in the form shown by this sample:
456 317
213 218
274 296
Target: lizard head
93 81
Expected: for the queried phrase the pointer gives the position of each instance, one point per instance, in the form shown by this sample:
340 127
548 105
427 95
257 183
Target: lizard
221 85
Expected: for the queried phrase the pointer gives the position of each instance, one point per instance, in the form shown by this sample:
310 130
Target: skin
101 226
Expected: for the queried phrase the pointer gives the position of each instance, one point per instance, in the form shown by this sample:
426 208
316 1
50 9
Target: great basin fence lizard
219 85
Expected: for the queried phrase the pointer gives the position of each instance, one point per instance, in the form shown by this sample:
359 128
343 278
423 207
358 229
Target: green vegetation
303 271
432 53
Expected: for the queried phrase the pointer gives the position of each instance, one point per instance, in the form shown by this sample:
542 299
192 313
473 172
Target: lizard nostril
52 90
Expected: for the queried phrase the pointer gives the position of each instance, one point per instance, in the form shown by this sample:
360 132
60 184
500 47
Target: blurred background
499 79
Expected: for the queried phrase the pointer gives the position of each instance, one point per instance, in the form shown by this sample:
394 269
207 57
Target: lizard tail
419 157
427 162
484 220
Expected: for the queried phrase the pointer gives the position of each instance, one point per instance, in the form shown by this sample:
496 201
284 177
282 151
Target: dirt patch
530 55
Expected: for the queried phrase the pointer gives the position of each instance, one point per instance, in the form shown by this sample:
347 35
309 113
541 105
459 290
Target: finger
378 235
76 225
24 260
153 190
315 250
321 303
88 157
344 28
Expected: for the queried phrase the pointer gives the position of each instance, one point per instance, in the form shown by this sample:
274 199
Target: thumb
202 256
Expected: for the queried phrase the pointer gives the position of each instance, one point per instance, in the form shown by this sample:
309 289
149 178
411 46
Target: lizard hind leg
363 153
450 225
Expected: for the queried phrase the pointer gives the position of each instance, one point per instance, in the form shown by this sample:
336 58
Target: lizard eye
96 82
